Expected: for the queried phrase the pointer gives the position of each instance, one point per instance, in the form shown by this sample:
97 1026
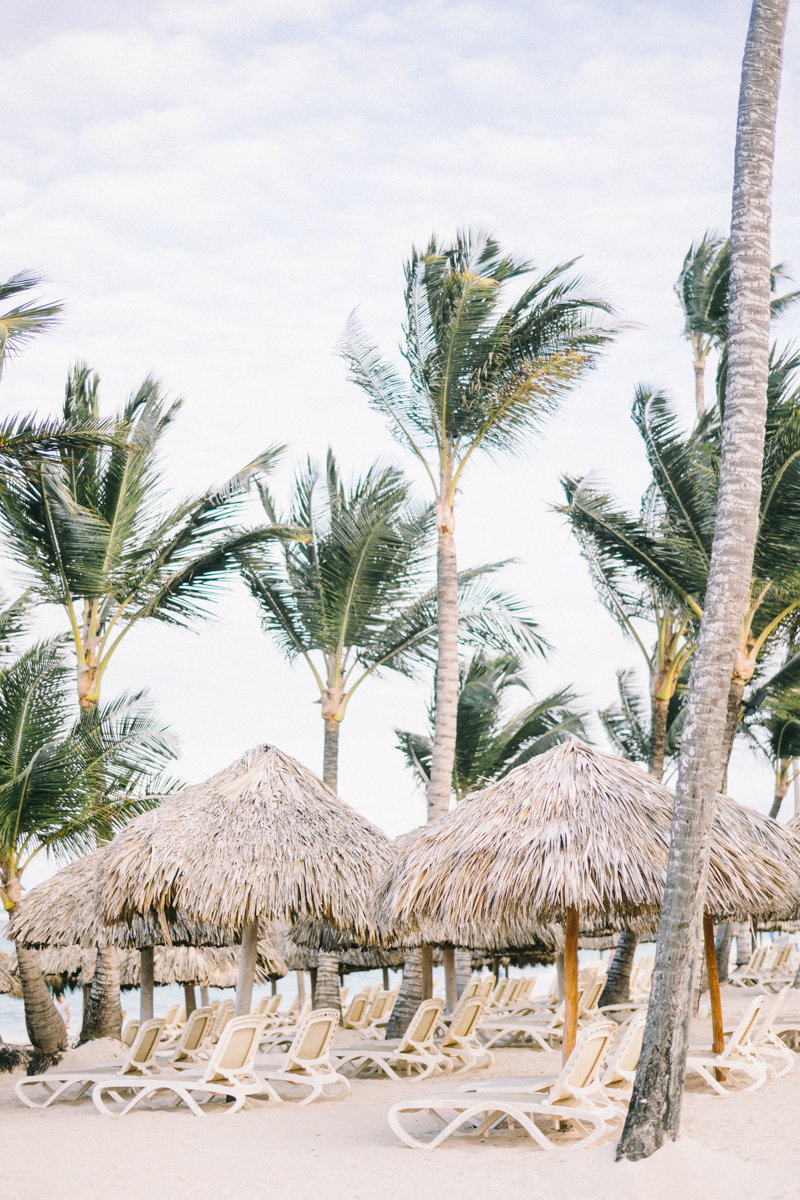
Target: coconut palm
352 601
668 547
771 722
92 535
627 723
655 1106
24 321
490 742
481 378
63 784
703 292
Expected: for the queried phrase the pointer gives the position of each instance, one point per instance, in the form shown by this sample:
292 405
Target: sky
212 188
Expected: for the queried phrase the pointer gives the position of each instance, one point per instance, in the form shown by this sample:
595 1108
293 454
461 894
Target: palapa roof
66 910
10 984
265 838
574 828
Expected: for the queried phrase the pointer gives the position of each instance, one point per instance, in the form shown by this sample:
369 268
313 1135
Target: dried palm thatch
574 828
204 966
265 838
370 958
9 982
66 911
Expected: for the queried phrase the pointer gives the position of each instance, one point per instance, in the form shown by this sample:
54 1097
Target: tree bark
102 1016
618 983
700 386
146 982
781 786
655 1106
330 755
444 730
189 999
46 1031
326 992
744 943
450 982
722 949
247 969
732 714
463 970
658 735
409 997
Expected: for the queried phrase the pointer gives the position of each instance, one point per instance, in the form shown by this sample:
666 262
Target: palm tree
490 742
667 549
482 378
771 721
63 783
352 601
655 1106
24 321
703 292
90 532
626 723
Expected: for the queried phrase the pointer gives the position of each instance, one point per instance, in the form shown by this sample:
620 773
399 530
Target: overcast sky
213 187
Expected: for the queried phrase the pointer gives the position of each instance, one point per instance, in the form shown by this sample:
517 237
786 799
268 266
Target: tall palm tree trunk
409 997
326 991
659 710
46 1031
444 730
781 785
655 1106
102 1016
463 969
330 754
700 386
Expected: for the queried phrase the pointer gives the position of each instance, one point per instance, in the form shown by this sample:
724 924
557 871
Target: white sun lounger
574 1097
56 1085
307 1063
737 1058
229 1073
415 1052
192 1045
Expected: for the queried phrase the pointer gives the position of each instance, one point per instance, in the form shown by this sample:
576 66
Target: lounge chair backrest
223 1017
770 1015
260 1009
305 1009
273 1004
215 1005
741 1034
142 1053
623 1068
471 988
355 1013
583 1065
487 986
380 1007
130 1031
423 1024
500 992
195 1031
313 1039
464 1022
593 993
170 1014
235 1052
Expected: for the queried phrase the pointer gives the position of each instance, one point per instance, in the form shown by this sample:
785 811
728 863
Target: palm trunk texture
444 730
722 950
330 755
655 1107
659 710
326 992
409 997
46 1031
102 1016
618 984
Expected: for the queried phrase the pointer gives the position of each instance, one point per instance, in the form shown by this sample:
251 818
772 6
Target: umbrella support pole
450 982
570 982
427 972
247 969
189 999
204 996
718 1043
146 981
301 988
386 979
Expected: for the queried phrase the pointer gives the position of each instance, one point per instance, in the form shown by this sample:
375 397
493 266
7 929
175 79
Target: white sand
745 1146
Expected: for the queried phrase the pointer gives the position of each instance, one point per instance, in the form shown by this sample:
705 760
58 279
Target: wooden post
570 982
247 969
427 972
189 999
312 975
386 979
560 974
718 1039
146 979
301 988
450 983
274 986
204 997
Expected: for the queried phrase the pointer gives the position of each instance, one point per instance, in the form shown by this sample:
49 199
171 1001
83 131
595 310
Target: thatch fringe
12 1058
574 828
265 838
10 983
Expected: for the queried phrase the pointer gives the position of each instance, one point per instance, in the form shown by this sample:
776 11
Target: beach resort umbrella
581 837
66 912
264 839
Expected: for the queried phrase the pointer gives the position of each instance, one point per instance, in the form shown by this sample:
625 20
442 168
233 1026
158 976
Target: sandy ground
743 1146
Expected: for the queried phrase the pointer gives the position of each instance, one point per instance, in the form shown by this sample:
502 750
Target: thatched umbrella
264 839
10 983
66 912
582 837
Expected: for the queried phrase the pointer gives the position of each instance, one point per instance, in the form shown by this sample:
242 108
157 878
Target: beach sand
744 1146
